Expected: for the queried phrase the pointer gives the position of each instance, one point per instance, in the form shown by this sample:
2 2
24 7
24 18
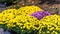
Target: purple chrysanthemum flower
40 14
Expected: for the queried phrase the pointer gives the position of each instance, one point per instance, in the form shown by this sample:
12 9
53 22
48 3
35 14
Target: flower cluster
11 18
40 14
50 25
29 9
8 14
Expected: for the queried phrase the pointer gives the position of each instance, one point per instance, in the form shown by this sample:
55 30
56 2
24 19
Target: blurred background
52 6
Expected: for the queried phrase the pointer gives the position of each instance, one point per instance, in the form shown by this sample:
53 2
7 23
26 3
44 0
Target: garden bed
30 19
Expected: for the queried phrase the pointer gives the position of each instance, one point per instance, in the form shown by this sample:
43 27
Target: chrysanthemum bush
50 25
22 22
19 21
7 15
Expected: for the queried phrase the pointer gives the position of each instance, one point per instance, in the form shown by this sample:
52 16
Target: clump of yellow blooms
29 9
7 16
12 18
50 25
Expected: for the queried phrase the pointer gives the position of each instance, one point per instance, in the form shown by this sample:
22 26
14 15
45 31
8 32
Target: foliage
7 2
